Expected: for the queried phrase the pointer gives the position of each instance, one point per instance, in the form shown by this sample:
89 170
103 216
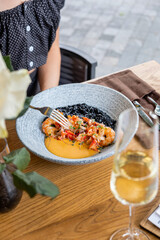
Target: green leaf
19 157
8 62
26 106
2 167
33 184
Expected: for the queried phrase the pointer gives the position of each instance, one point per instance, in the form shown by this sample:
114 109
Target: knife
142 114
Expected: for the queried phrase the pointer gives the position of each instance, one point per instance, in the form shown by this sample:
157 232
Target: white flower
13 87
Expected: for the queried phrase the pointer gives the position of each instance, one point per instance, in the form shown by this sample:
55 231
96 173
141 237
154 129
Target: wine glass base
124 234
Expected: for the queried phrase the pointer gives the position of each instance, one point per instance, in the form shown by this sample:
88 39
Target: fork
157 108
54 114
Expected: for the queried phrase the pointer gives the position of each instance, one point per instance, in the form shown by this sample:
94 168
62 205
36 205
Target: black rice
84 110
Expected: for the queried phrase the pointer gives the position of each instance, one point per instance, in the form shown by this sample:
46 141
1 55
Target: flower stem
2 160
11 167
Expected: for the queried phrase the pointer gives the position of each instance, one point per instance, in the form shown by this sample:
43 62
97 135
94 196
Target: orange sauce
67 149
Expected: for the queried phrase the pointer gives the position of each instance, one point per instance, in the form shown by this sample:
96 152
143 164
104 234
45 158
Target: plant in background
13 103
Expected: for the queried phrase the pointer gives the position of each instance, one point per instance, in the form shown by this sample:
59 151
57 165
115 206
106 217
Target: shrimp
84 130
49 127
94 145
81 137
88 121
100 131
76 122
109 135
91 130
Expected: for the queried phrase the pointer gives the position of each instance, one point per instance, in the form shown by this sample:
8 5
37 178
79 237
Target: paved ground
118 33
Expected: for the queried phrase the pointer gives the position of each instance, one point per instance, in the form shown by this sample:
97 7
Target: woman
29 33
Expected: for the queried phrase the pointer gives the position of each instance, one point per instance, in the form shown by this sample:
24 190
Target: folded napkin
131 86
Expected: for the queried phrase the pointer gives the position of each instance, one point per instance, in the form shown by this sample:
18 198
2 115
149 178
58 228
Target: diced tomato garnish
70 134
93 145
57 125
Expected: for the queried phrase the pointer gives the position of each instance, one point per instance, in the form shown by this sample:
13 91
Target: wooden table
85 208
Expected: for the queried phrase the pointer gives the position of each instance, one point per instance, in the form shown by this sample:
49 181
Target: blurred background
117 33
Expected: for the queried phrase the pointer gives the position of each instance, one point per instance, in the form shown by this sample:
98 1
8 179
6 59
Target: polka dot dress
28 31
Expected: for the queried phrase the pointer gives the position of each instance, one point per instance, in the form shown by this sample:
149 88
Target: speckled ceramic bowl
106 99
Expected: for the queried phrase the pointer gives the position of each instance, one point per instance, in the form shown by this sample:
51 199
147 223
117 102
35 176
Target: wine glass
134 177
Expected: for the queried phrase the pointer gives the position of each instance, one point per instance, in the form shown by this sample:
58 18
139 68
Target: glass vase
10 196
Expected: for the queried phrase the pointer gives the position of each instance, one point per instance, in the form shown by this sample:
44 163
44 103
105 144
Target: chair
76 65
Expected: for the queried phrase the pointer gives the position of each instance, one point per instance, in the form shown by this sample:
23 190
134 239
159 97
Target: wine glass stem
131 221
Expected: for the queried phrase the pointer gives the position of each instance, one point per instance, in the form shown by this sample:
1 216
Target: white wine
134 178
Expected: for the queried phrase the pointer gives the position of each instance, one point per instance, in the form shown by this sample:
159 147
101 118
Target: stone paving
117 33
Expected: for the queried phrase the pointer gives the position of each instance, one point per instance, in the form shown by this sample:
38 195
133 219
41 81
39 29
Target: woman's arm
49 73
9 4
